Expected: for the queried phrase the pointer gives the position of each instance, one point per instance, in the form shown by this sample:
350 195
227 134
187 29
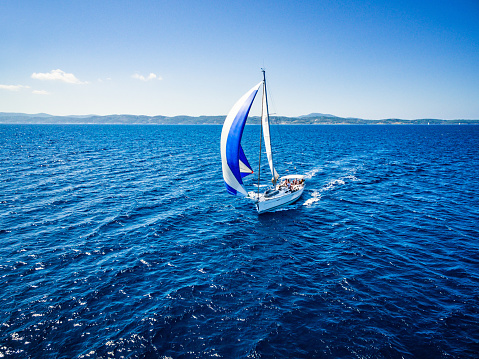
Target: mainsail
234 163
266 135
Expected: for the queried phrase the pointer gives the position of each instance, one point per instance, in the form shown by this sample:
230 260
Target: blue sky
369 59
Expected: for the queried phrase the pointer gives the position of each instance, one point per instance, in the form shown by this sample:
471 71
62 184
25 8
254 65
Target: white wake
316 195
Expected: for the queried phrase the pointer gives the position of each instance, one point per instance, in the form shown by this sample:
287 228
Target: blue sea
122 242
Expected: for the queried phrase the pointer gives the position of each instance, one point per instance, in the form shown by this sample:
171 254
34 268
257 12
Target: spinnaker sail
234 162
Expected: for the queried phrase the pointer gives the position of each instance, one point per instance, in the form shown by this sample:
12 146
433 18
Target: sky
368 59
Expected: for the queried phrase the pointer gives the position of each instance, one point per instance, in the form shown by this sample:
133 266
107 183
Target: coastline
17 118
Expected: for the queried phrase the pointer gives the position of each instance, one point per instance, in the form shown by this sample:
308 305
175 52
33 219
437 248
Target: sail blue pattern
232 154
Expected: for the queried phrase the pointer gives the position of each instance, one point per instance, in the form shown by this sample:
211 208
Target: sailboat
284 190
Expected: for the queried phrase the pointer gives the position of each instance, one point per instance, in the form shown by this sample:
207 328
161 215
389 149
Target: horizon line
311 115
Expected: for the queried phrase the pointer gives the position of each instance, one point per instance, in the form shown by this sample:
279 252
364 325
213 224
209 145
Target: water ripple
120 241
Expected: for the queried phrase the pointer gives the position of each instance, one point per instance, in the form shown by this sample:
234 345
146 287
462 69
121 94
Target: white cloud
40 92
59 75
151 76
13 87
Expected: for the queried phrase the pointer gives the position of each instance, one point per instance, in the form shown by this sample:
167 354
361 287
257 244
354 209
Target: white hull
283 198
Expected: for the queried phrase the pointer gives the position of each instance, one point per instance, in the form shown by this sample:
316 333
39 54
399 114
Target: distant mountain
13 114
311 119
319 115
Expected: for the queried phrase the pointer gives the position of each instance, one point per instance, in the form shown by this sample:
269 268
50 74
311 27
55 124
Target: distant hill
14 114
324 115
311 119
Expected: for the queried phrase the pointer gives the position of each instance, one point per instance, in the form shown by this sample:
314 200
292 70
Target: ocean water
121 241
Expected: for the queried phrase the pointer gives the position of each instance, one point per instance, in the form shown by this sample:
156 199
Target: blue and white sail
234 163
